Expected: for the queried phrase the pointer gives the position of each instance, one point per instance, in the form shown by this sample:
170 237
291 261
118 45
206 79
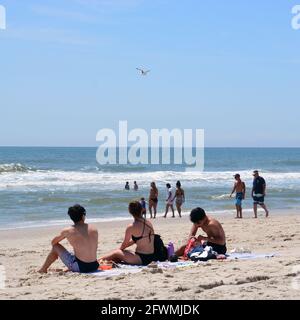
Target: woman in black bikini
180 197
153 199
141 233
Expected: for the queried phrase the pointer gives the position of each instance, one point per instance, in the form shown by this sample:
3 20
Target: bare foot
42 271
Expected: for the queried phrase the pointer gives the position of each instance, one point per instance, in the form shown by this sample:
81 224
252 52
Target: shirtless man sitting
215 233
84 240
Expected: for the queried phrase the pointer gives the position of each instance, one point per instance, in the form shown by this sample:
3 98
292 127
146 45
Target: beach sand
23 251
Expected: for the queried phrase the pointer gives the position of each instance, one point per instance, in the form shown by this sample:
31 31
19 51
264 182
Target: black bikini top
136 239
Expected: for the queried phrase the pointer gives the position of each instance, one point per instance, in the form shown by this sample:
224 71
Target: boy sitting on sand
215 233
84 240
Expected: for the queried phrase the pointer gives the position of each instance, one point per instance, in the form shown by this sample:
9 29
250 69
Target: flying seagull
143 72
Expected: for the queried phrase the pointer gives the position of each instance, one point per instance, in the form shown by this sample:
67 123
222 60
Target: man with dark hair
215 233
259 193
84 240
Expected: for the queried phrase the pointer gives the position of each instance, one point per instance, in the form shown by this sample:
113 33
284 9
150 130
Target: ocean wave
14 167
64 180
221 197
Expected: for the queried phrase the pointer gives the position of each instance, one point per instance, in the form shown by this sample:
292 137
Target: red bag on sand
188 248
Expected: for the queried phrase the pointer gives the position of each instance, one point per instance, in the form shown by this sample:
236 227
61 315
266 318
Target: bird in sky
143 72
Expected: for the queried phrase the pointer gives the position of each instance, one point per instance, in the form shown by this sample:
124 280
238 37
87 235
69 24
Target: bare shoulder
149 223
92 228
129 227
68 230
214 222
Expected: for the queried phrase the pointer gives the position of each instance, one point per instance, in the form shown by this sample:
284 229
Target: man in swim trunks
84 240
259 193
240 189
215 233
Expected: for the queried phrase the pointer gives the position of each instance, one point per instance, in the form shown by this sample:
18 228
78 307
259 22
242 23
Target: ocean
37 185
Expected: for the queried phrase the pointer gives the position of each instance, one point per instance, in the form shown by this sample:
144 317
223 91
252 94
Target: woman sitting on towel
141 233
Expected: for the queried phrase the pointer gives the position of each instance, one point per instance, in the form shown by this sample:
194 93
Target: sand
23 251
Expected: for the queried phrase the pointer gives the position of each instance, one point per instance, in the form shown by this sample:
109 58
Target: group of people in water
83 238
177 196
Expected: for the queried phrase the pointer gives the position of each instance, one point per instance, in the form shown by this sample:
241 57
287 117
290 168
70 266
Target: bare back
215 231
146 243
84 240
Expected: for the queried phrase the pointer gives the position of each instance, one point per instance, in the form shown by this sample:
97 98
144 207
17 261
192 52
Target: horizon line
206 147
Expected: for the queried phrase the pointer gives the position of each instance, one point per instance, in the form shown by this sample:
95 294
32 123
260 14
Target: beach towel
123 269
249 256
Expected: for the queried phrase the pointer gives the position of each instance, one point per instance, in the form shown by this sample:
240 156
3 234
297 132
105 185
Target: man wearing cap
259 193
240 189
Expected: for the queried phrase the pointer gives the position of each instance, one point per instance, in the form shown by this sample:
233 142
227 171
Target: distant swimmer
143 72
127 186
135 187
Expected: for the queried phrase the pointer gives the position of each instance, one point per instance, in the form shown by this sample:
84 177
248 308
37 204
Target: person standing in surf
259 193
127 186
240 189
153 200
170 200
180 197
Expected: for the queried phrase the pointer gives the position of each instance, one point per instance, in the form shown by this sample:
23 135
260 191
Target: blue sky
67 69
